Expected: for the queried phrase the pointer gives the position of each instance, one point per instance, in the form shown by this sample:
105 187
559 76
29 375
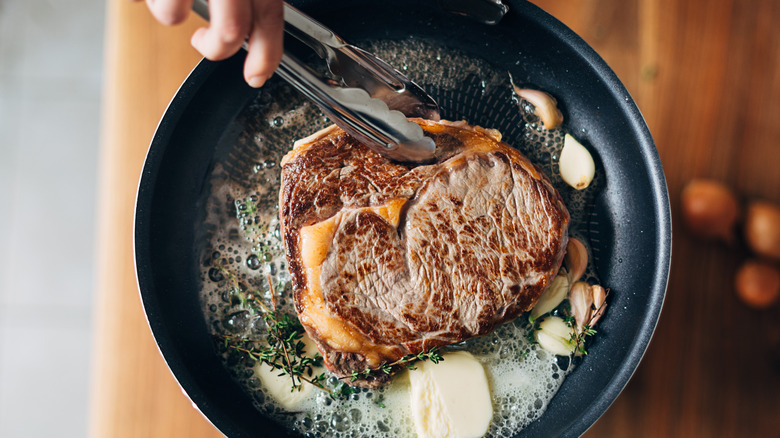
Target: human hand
259 22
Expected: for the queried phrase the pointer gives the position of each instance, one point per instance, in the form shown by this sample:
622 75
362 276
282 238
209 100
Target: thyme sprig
389 367
283 350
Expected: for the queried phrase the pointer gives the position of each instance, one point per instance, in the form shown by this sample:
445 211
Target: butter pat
452 398
279 387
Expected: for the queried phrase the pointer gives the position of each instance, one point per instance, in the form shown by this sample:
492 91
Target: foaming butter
450 399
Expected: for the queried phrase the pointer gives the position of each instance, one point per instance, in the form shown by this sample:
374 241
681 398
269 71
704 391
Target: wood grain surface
133 392
706 75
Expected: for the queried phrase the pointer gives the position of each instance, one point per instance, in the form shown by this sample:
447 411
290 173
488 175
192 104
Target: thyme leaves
404 362
579 334
282 350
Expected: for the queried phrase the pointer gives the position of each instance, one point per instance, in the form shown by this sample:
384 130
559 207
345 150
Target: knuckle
168 14
215 52
233 32
173 19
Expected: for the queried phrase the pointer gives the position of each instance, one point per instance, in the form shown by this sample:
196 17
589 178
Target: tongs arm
361 69
355 110
365 118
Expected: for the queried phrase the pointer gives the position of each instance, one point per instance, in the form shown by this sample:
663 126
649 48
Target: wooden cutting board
706 75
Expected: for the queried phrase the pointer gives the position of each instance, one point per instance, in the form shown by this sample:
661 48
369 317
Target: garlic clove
762 229
581 302
757 283
599 303
710 209
551 297
576 259
576 165
555 336
545 106
587 303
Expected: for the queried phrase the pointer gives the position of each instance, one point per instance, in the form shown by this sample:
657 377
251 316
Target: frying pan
629 227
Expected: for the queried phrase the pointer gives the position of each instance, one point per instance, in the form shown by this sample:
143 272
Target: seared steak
389 259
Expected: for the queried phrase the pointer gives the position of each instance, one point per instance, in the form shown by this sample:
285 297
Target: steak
389 259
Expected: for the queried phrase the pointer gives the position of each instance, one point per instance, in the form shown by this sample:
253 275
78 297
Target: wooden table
706 75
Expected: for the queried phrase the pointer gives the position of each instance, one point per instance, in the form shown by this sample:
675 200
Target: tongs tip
387 131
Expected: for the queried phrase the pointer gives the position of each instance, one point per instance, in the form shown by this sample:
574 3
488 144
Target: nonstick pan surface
628 227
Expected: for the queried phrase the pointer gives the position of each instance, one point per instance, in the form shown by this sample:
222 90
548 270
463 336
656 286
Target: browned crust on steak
478 236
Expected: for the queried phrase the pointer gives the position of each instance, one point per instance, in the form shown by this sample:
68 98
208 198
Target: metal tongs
376 100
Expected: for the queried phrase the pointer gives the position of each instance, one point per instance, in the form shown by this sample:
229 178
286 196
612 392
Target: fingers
170 12
265 41
229 24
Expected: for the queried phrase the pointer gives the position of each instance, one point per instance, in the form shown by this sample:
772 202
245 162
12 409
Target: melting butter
278 386
451 399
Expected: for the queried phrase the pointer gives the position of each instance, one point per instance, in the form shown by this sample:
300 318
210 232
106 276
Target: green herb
246 210
342 391
388 367
529 335
256 229
588 331
579 337
283 350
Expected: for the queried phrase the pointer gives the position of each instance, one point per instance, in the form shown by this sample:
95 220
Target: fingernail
256 81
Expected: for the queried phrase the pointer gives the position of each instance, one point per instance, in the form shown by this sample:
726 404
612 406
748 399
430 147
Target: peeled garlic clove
576 164
545 106
551 297
581 302
555 336
576 259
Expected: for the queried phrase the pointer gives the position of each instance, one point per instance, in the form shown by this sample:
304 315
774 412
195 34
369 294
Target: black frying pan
630 233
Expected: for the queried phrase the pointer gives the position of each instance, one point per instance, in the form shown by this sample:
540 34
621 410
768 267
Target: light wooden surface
133 393
706 75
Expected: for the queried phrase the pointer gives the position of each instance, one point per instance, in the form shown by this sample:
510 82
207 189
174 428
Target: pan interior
238 231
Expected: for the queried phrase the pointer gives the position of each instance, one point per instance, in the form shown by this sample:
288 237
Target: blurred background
705 73
51 65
